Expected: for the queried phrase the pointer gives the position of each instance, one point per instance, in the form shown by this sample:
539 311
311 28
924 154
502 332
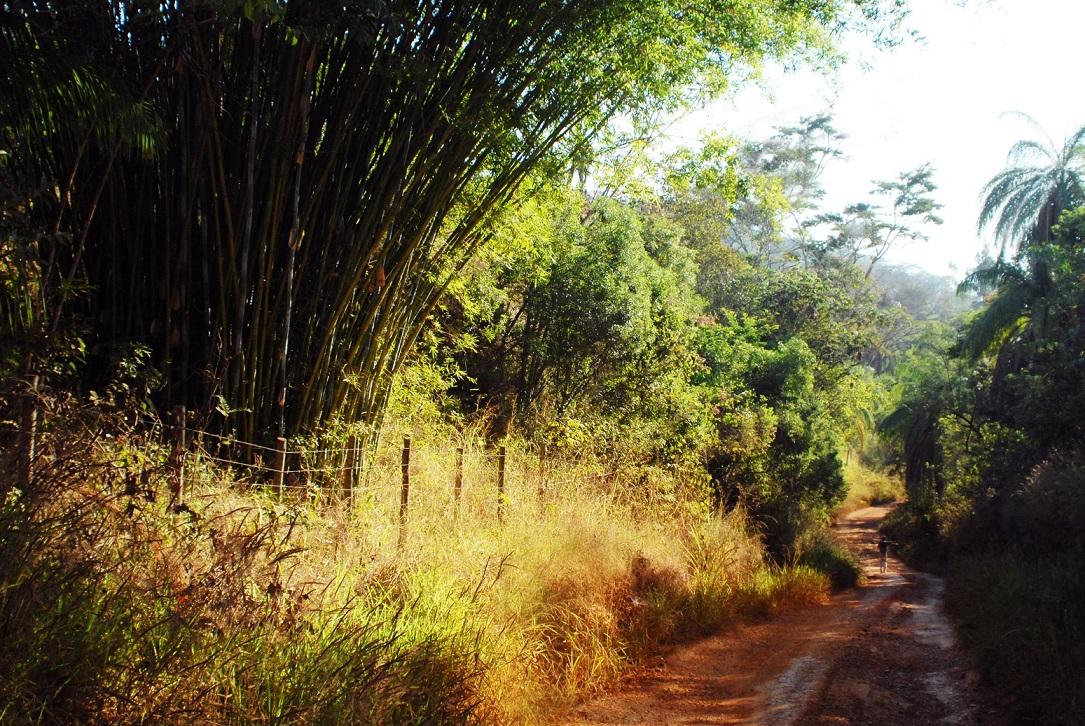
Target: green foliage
777 448
989 439
835 311
590 324
780 357
273 197
929 390
1020 617
867 230
580 327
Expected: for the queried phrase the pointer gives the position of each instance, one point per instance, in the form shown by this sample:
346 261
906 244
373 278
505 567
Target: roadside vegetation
247 608
989 439
869 486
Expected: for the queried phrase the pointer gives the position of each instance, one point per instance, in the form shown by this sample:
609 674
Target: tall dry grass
119 605
240 607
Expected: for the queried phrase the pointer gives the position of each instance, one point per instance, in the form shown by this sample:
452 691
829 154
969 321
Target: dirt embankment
880 654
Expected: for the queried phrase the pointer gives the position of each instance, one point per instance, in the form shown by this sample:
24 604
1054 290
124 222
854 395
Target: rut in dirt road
882 653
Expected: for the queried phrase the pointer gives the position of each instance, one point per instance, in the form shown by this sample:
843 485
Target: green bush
820 550
917 536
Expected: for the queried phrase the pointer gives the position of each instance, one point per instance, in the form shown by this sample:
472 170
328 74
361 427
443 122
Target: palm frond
989 277
1022 149
1033 123
1004 316
1075 144
898 421
1023 201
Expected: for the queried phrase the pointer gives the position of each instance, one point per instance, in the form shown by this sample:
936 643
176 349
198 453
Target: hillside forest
373 362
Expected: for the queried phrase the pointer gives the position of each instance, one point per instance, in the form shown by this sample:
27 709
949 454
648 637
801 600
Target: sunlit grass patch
867 487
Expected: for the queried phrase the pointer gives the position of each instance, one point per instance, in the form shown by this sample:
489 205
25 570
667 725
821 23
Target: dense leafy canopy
273 196
629 313
279 206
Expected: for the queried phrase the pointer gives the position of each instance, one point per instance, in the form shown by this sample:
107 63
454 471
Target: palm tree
915 423
1018 307
1024 200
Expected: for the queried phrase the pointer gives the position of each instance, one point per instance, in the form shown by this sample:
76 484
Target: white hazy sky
942 99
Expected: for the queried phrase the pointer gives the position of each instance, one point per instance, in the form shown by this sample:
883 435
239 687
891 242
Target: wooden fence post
177 456
349 474
542 471
28 425
405 490
280 464
501 484
457 489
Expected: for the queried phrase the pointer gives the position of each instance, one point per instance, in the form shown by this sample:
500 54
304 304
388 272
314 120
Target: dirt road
880 654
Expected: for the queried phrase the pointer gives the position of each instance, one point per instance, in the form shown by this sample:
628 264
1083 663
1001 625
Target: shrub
916 533
820 550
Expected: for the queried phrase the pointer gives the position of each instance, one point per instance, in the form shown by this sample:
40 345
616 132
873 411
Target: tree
1041 180
1017 305
834 311
789 164
777 441
868 230
273 196
778 181
593 312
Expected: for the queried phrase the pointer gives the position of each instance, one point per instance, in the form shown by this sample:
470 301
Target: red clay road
881 654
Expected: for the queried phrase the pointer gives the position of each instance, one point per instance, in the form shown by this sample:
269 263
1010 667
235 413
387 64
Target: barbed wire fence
340 472
347 471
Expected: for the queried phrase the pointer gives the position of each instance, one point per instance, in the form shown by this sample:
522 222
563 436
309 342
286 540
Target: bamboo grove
270 197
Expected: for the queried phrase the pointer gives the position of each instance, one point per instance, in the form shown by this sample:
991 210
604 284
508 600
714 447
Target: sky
944 99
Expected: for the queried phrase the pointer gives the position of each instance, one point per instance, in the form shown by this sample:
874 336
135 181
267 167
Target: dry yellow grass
562 595
867 487
314 607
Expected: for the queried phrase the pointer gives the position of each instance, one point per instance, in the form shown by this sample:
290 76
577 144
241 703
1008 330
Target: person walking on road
883 550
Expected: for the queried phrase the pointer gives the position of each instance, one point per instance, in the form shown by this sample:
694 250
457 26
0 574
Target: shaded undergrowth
820 550
1022 619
